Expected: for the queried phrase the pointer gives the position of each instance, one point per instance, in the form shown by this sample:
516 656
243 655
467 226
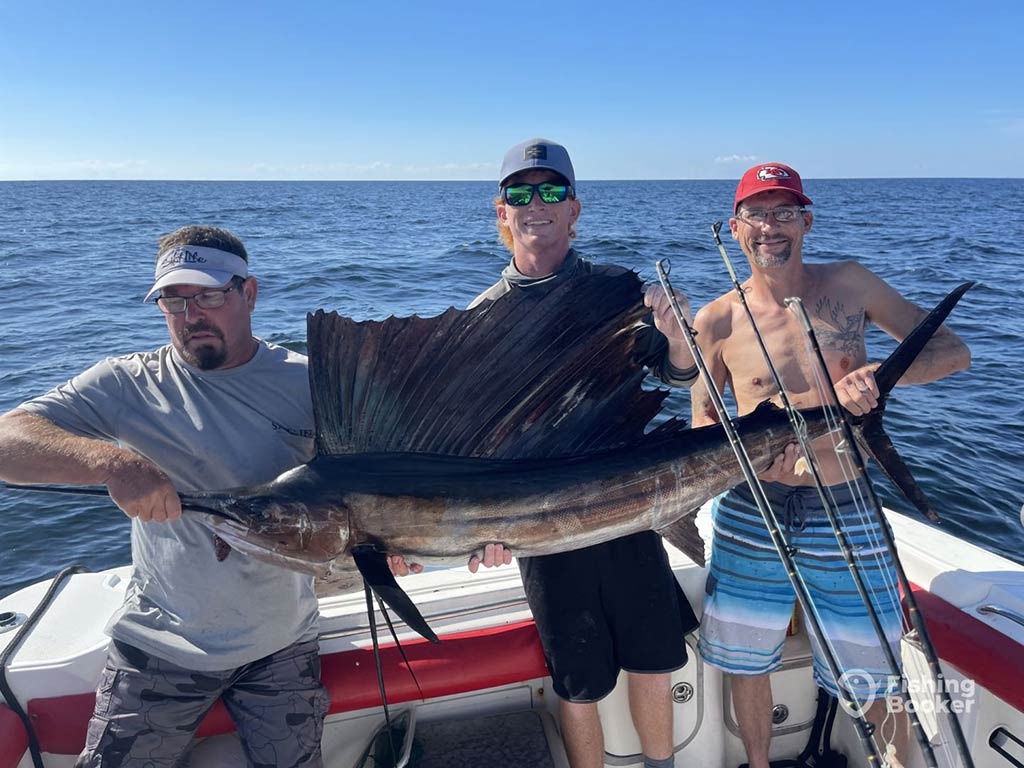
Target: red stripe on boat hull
982 653
13 739
463 662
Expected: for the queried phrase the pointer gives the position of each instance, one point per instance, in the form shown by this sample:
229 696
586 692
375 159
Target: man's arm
678 355
35 450
944 354
712 328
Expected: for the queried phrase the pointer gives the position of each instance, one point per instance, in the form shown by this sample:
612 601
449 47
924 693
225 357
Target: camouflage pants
148 709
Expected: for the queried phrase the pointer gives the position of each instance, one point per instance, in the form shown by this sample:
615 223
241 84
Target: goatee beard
205 358
774 259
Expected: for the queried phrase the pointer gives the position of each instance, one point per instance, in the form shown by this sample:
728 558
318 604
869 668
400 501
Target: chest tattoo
839 330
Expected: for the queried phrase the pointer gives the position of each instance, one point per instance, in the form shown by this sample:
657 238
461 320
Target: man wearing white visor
216 408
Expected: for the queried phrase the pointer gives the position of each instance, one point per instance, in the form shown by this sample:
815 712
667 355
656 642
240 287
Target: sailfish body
441 509
521 421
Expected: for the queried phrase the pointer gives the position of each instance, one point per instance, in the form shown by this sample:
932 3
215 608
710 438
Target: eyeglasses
521 194
175 305
782 215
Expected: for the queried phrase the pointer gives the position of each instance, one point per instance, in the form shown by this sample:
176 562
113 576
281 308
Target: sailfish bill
521 421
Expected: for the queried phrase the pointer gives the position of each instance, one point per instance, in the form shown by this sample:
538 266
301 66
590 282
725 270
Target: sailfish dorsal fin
531 374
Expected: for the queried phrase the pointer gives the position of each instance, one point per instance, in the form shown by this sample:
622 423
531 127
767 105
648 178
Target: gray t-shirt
208 430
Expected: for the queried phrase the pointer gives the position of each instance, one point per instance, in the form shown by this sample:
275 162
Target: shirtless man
749 598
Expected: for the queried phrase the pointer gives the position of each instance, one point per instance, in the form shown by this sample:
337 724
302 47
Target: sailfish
524 421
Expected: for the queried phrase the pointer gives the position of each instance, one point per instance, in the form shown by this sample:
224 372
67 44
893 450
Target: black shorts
606 608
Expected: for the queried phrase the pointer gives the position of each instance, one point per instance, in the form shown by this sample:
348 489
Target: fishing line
834 427
828 502
380 671
854 471
880 539
864 728
882 551
398 645
873 550
877 548
854 476
916 619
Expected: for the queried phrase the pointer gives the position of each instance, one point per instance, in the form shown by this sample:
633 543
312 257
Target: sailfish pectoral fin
373 565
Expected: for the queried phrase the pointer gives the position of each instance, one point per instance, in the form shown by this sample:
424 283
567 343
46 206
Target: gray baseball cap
537 153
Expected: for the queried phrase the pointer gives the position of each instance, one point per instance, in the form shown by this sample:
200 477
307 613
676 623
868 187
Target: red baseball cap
767 176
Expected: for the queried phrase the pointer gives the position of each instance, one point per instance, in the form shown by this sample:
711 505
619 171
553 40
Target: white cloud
736 159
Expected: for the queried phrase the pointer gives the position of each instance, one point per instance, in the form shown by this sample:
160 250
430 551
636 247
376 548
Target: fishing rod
864 729
845 546
915 616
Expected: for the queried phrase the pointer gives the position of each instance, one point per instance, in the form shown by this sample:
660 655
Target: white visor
196 265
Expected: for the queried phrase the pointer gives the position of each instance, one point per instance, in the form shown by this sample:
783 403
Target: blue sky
438 90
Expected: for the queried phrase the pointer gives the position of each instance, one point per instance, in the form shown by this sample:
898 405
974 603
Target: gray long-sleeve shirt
653 347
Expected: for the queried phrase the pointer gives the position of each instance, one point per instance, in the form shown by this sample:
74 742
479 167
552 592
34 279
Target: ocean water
76 259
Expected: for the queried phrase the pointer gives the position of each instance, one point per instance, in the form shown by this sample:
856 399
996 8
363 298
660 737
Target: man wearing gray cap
216 408
616 605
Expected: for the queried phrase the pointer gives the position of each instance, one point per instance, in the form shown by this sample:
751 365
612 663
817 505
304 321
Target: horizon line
488 181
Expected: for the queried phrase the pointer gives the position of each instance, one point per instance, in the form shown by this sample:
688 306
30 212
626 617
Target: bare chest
839 328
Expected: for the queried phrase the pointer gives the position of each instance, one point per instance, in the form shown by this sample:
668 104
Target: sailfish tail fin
869 431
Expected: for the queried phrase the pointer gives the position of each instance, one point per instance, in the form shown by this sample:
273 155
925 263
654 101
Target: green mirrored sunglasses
522 194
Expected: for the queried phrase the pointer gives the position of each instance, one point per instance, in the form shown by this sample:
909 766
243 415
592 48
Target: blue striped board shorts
749 598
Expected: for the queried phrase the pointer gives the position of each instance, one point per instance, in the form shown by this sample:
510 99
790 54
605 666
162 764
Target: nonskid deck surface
513 738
